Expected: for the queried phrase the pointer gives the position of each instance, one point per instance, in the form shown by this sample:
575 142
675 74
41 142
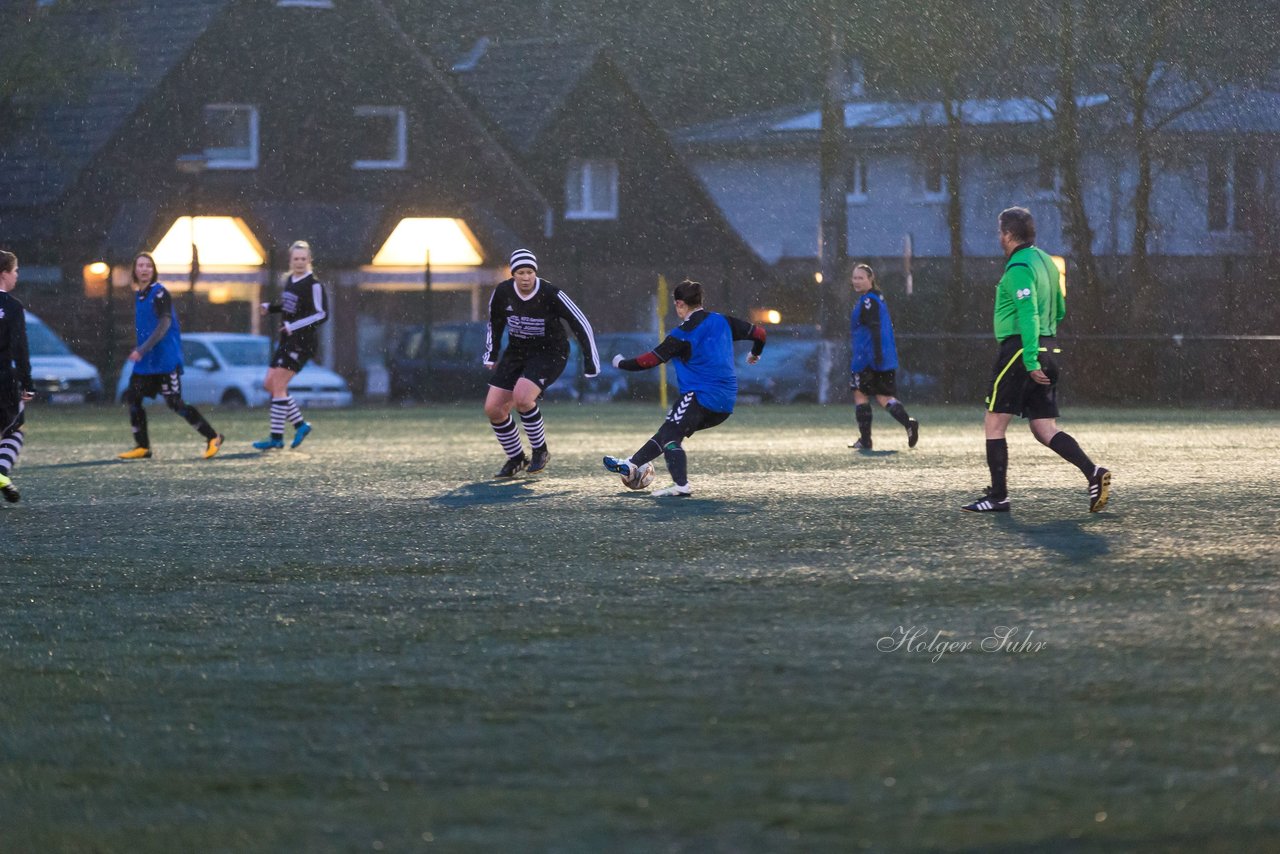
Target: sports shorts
1013 391
149 385
12 408
687 416
874 383
292 355
537 366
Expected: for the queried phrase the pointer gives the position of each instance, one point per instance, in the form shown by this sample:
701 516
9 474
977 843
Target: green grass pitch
368 645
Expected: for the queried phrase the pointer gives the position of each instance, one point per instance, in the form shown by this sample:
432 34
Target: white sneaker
672 491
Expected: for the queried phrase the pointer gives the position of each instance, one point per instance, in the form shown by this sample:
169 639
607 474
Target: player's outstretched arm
670 348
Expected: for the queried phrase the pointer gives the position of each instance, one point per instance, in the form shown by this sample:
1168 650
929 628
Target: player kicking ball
702 349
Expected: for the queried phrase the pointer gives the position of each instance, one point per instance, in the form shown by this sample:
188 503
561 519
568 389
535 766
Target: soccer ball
640 477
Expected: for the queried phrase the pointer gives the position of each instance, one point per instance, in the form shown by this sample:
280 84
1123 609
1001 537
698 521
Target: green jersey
1029 301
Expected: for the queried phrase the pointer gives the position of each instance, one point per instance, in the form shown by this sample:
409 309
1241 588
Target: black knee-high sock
192 416
648 452
863 413
138 421
677 463
1069 449
998 462
898 411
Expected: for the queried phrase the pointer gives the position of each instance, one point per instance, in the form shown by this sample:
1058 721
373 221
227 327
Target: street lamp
192 165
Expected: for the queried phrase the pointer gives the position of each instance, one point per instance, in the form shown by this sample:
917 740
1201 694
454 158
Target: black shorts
292 355
149 385
687 416
12 410
539 367
874 382
1012 389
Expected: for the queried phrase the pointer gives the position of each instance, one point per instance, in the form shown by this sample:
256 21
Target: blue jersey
871 334
702 350
149 308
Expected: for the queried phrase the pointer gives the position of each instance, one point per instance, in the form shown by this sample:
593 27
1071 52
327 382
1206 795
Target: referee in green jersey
1024 380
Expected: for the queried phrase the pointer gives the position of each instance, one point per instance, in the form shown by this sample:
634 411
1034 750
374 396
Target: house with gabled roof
1214 181
240 126
626 206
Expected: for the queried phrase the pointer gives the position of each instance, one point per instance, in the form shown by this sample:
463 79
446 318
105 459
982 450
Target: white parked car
59 375
227 368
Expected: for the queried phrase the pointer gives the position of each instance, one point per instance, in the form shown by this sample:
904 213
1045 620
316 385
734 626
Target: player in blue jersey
874 363
157 362
16 388
702 350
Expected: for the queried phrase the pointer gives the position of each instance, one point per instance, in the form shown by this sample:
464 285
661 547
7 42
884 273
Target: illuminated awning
223 241
449 241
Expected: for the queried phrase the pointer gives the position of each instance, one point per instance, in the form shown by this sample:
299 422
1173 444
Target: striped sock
292 412
532 421
278 408
9 450
508 437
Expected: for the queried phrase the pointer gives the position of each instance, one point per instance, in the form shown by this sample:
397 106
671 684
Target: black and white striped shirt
533 324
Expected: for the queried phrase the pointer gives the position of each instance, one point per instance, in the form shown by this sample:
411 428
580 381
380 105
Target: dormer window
381 140
231 136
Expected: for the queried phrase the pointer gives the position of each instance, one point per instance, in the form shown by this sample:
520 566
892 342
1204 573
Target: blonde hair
871 274
300 244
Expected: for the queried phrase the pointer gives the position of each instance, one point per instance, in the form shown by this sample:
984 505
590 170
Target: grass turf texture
366 644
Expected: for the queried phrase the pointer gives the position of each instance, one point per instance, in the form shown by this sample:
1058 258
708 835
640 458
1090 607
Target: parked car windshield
42 342
245 352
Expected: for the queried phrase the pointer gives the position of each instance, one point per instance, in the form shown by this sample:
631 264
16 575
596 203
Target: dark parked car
792 371
456 372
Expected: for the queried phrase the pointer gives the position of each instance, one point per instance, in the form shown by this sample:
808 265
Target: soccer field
367 644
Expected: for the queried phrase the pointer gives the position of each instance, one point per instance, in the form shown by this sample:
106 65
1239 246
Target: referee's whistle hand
1039 376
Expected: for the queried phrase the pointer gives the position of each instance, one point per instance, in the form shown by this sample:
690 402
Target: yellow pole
663 299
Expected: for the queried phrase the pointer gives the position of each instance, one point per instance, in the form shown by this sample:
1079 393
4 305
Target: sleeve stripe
317 299
488 330
586 325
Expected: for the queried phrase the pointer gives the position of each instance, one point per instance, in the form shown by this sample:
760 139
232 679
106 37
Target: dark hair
875 283
689 292
8 261
155 269
1019 224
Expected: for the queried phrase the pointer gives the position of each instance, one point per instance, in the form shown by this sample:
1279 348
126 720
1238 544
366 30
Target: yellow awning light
450 240
1061 264
223 241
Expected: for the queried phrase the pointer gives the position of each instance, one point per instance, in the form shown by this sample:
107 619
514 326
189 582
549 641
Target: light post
192 165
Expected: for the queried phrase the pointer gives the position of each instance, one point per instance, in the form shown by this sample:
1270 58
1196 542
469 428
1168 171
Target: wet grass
367 645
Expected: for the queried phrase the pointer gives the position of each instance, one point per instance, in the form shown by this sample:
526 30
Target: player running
304 308
530 309
874 363
1029 306
16 388
157 362
702 347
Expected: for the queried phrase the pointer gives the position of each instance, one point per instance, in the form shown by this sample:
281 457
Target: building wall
773 201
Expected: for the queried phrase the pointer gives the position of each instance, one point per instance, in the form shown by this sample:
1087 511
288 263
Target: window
1234 182
591 190
857 181
381 140
231 136
935 180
